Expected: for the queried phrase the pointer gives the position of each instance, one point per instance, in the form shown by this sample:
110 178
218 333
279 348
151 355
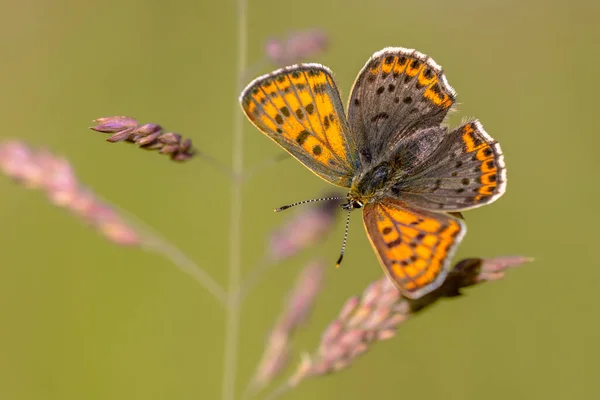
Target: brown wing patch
466 170
397 92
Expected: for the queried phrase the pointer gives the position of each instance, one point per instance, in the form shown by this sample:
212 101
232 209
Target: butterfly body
373 183
409 173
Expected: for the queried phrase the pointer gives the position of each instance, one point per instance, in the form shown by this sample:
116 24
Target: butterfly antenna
307 201
339 261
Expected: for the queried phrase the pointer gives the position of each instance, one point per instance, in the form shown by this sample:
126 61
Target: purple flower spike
147 136
298 306
55 176
376 315
296 47
114 124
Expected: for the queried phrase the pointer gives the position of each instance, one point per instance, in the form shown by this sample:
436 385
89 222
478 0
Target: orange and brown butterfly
411 174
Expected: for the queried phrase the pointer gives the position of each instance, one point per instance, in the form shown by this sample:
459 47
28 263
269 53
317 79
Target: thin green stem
235 217
269 162
278 392
254 278
152 241
187 265
218 165
249 391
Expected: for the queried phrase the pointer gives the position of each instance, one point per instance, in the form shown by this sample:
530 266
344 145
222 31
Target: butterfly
410 174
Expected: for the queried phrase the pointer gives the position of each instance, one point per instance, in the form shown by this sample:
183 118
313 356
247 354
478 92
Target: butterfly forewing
414 246
397 92
299 107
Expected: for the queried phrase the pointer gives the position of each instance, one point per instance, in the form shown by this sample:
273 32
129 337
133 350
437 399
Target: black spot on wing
301 138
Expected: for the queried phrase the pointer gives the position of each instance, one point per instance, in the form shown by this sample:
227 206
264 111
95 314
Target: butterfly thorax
369 185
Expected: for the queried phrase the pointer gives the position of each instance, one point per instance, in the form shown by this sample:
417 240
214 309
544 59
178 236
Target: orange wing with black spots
466 170
414 247
299 107
397 92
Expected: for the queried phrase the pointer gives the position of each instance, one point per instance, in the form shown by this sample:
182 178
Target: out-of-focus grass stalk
235 215
54 175
377 313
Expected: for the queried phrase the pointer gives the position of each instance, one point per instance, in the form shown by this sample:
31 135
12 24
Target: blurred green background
82 318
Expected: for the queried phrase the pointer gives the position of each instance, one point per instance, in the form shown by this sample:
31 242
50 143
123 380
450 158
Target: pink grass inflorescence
376 314
147 136
40 169
298 306
296 47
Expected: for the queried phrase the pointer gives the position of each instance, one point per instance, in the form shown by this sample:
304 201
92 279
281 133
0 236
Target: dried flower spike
296 47
302 296
147 136
377 313
55 176
472 271
274 358
298 306
114 124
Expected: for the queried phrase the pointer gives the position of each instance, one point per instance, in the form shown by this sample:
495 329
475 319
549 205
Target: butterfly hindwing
466 170
414 246
299 107
397 92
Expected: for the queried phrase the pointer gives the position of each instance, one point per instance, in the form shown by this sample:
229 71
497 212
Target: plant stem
254 278
153 241
278 392
218 165
235 228
187 265
264 165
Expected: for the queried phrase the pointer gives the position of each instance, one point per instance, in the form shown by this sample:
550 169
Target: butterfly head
352 203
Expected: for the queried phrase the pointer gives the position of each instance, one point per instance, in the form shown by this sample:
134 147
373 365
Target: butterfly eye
352 204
